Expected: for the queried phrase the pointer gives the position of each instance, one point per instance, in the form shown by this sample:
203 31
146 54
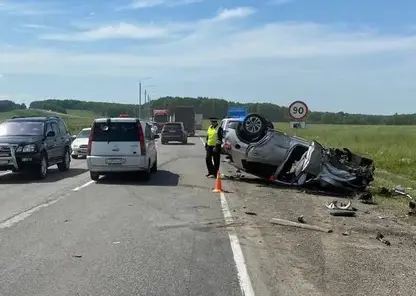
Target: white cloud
119 31
279 2
140 4
148 31
210 43
35 26
27 8
239 12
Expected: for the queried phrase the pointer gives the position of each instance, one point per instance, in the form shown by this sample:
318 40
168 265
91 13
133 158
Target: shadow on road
53 176
161 178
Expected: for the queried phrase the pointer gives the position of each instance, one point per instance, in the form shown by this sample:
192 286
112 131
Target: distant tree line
218 107
6 105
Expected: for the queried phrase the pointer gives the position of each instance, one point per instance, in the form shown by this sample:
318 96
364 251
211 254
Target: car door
150 142
50 144
59 140
64 134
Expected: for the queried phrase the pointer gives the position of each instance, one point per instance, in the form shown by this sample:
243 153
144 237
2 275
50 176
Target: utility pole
140 99
145 106
148 106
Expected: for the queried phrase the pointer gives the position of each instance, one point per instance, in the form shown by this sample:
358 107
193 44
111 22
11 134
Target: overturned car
253 146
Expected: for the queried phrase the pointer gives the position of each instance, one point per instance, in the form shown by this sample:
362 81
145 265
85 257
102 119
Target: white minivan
119 145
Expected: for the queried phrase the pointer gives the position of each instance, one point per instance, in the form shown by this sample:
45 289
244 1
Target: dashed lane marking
22 216
83 186
242 272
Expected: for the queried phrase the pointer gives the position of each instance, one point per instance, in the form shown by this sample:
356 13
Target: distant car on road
174 131
33 144
226 124
154 127
80 143
119 145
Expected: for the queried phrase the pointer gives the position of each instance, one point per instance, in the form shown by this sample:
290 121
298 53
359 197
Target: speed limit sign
298 110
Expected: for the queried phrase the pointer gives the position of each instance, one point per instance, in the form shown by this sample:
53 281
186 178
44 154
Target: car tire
94 176
147 173
66 162
41 171
253 127
154 166
74 156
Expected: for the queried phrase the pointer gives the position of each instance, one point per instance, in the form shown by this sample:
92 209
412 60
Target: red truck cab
160 117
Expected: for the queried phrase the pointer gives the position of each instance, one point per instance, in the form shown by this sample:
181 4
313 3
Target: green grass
82 113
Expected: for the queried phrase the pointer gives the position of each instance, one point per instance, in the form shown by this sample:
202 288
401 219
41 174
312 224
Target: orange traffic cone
218 184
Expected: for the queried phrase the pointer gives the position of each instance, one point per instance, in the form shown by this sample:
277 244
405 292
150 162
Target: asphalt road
68 235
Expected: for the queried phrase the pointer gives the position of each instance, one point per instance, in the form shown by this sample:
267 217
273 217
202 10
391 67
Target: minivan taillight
90 140
141 139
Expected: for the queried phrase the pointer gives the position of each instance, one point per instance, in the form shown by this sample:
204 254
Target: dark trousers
213 156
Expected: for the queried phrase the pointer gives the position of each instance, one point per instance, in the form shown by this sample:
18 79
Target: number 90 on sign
298 110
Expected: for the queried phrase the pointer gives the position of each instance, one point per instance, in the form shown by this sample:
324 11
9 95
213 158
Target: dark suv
33 144
174 131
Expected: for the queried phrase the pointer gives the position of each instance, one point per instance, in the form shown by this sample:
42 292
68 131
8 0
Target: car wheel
253 127
42 170
147 173
94 176
154 167
66 162
74 156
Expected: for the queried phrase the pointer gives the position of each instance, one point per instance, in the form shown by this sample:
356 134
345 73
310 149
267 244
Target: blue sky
336 55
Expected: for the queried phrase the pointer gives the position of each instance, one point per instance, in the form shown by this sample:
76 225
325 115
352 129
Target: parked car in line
33 144
154 127
252 146
174 131
80 143
119 145
226 124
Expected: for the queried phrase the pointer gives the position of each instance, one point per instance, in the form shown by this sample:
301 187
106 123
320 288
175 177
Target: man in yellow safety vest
213 147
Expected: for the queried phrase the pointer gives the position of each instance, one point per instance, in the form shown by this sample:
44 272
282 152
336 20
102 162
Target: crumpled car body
293 161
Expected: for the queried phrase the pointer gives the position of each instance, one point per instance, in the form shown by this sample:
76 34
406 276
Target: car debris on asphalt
341 209
299 225
399 190
380 237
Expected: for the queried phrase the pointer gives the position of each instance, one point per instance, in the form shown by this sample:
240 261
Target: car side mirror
156 137
73 137
50 134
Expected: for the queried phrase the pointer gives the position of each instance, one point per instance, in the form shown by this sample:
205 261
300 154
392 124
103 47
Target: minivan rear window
116 132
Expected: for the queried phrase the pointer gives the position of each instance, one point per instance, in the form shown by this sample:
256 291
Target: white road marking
20 217
243 276
83 186
203 142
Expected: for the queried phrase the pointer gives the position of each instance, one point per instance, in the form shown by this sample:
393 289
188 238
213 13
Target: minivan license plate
115 160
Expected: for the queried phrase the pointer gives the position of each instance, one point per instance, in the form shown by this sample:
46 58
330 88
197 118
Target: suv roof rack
29 116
